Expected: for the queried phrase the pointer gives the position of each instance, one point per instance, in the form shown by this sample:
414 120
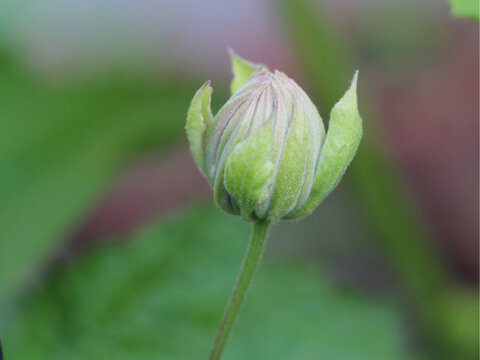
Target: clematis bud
265 153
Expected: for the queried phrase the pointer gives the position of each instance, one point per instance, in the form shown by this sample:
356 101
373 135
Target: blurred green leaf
162 295
468 9
59 147
456 323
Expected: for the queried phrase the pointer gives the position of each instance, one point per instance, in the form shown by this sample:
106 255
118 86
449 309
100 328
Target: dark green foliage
162 295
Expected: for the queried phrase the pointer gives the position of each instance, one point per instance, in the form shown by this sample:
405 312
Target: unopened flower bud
265 153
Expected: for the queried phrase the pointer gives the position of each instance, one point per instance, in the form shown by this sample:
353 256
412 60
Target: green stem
250 264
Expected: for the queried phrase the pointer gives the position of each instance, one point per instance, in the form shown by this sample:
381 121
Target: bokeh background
110 246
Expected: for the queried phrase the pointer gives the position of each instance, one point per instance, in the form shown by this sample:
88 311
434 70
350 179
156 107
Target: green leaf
199 115
468 9
59 147
242 70
162 296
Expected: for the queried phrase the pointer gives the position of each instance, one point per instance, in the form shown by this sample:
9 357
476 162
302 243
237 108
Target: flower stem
244 279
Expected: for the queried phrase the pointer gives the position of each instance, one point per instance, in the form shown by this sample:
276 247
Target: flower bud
265 153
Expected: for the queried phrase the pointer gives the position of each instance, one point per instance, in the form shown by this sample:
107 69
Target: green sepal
242 70
249 173
199 115
341 144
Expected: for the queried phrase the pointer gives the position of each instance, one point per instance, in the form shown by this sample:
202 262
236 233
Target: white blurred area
64 38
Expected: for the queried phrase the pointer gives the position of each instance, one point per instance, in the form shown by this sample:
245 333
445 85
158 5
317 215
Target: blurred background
110 246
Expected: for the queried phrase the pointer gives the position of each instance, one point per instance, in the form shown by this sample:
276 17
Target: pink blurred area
432 124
